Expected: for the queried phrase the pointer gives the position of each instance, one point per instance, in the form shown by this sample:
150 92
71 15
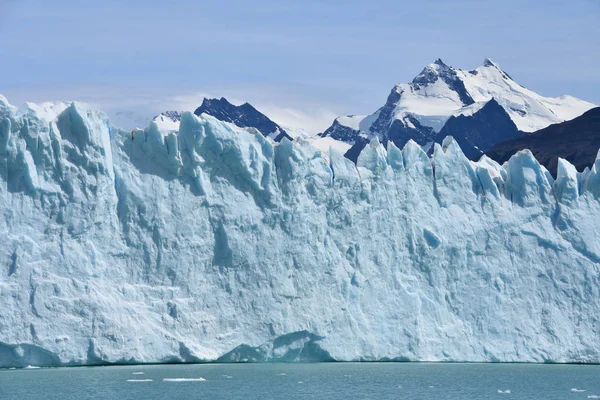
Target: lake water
305 381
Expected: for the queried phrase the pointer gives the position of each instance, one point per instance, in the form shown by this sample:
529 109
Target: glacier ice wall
213 243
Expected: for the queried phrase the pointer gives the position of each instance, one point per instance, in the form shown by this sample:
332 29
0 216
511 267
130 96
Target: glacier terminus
215 243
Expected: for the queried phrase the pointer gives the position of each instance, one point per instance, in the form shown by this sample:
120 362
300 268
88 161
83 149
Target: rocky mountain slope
244 116
576 141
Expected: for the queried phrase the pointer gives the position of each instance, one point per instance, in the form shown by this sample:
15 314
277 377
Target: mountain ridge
420 109
244 116
575 140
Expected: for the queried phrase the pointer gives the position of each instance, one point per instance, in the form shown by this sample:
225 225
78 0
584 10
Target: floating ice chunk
507 391
137 373
577 390
594 396
300 382
201 379
228 376
31 367
139 380
281 374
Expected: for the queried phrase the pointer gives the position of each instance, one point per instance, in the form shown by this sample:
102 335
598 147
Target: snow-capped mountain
244 116
419 110
215 243
168 121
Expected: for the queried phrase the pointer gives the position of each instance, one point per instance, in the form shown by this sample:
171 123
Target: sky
300 62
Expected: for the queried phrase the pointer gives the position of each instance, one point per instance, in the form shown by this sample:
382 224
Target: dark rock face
401 131
244 116
354 151
341 132
383 121
480 131
577 141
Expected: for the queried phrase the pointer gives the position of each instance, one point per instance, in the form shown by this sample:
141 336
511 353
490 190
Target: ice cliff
214 243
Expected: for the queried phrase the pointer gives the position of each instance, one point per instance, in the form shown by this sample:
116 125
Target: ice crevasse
214 243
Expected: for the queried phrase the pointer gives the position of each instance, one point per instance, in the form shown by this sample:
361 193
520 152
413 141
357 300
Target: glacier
213 243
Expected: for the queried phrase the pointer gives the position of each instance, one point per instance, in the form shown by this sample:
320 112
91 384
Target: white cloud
130 107
310 120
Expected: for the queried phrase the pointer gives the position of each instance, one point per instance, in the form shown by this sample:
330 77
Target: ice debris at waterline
214 243
201 379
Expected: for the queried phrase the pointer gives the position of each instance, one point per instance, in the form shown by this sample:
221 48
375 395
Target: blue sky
302 62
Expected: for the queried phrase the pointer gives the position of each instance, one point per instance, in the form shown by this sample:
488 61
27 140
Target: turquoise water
306 381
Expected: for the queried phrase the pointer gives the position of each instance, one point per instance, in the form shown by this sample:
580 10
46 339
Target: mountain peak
439 70
244 116
432 72
489 63
497 106
438 66
208 101
440 63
